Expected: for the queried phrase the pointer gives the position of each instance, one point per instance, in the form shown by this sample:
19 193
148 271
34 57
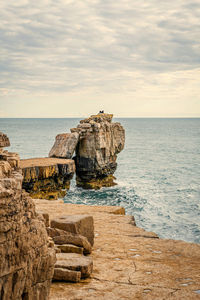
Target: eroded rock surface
70 246
73 236
47 178
65 145
96 141
74 262
96 153
26 260
61 237
77 224
129 262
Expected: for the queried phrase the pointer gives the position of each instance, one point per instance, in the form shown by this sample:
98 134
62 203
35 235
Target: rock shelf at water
129 262
96 141
47 178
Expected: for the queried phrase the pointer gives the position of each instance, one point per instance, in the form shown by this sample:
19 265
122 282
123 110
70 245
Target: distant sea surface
158 172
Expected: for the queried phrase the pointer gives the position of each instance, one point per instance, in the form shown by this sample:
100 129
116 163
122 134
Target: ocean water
158 172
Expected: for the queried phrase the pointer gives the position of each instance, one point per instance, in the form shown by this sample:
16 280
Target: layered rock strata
26 260
97 141
71 247
77 224
100 141
47 178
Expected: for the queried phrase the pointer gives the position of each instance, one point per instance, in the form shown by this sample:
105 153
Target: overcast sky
133 58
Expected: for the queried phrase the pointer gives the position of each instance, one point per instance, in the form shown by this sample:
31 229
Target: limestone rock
61 237
65 145
47 178
69 248
97 142
75 262
100 141
129 262
62 274
45 217
77 224
4 140
26 261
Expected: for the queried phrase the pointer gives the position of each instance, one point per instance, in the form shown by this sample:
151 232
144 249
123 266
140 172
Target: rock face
65 145
4 140
47 178
97 142
26 261
96 153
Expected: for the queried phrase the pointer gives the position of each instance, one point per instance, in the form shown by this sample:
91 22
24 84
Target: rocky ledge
47 178
129 262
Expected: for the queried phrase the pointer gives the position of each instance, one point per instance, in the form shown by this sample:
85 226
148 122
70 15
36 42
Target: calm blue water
158 172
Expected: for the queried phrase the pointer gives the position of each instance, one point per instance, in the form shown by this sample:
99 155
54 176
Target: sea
158 173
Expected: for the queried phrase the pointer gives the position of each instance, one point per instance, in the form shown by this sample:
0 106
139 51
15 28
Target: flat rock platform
129 262
43 162
47 178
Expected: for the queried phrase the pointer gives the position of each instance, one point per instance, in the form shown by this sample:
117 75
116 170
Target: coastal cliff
96 142
96 153
26 260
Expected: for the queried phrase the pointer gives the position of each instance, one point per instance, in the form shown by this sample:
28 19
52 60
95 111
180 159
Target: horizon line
118 117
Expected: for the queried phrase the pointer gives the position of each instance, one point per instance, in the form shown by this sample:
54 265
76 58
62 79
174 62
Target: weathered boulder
65 145
63 274
61 237
100 141
77 224
47 178
27 257
72 265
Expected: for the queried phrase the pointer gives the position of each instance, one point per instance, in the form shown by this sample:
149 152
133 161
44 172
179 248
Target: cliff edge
26 260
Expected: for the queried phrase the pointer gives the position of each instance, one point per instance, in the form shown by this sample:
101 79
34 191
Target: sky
132 58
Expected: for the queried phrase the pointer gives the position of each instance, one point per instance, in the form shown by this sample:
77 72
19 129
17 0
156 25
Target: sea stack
26 260
96 142
100 141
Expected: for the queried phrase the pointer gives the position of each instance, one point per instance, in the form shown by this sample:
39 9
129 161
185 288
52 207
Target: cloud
105 45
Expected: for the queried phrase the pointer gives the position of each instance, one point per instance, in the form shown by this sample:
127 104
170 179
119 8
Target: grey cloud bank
128 51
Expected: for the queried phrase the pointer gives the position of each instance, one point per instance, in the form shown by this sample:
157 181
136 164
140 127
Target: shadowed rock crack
136 284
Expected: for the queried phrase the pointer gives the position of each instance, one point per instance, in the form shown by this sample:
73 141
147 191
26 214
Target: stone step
69 248
61 237
75 262
62 274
